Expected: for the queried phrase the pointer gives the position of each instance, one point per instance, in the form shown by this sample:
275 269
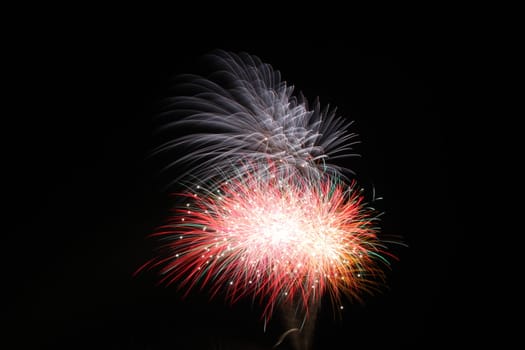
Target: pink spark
276 238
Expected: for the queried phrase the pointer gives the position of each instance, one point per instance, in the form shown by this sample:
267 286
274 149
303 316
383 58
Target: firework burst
245 112
276 239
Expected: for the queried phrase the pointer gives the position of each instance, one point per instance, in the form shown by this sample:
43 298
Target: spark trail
245 113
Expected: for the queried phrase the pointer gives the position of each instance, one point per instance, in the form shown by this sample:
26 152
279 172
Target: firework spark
276 239
247 113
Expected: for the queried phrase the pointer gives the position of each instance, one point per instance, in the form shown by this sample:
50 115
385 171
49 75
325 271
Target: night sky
83 194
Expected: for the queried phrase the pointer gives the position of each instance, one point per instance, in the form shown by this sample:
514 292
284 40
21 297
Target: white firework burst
245 113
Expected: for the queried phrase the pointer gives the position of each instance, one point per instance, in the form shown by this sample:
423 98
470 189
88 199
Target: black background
81 196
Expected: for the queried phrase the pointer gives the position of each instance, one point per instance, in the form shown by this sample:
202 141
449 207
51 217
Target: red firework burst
276 238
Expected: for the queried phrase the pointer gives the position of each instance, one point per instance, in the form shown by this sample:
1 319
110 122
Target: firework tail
299 326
